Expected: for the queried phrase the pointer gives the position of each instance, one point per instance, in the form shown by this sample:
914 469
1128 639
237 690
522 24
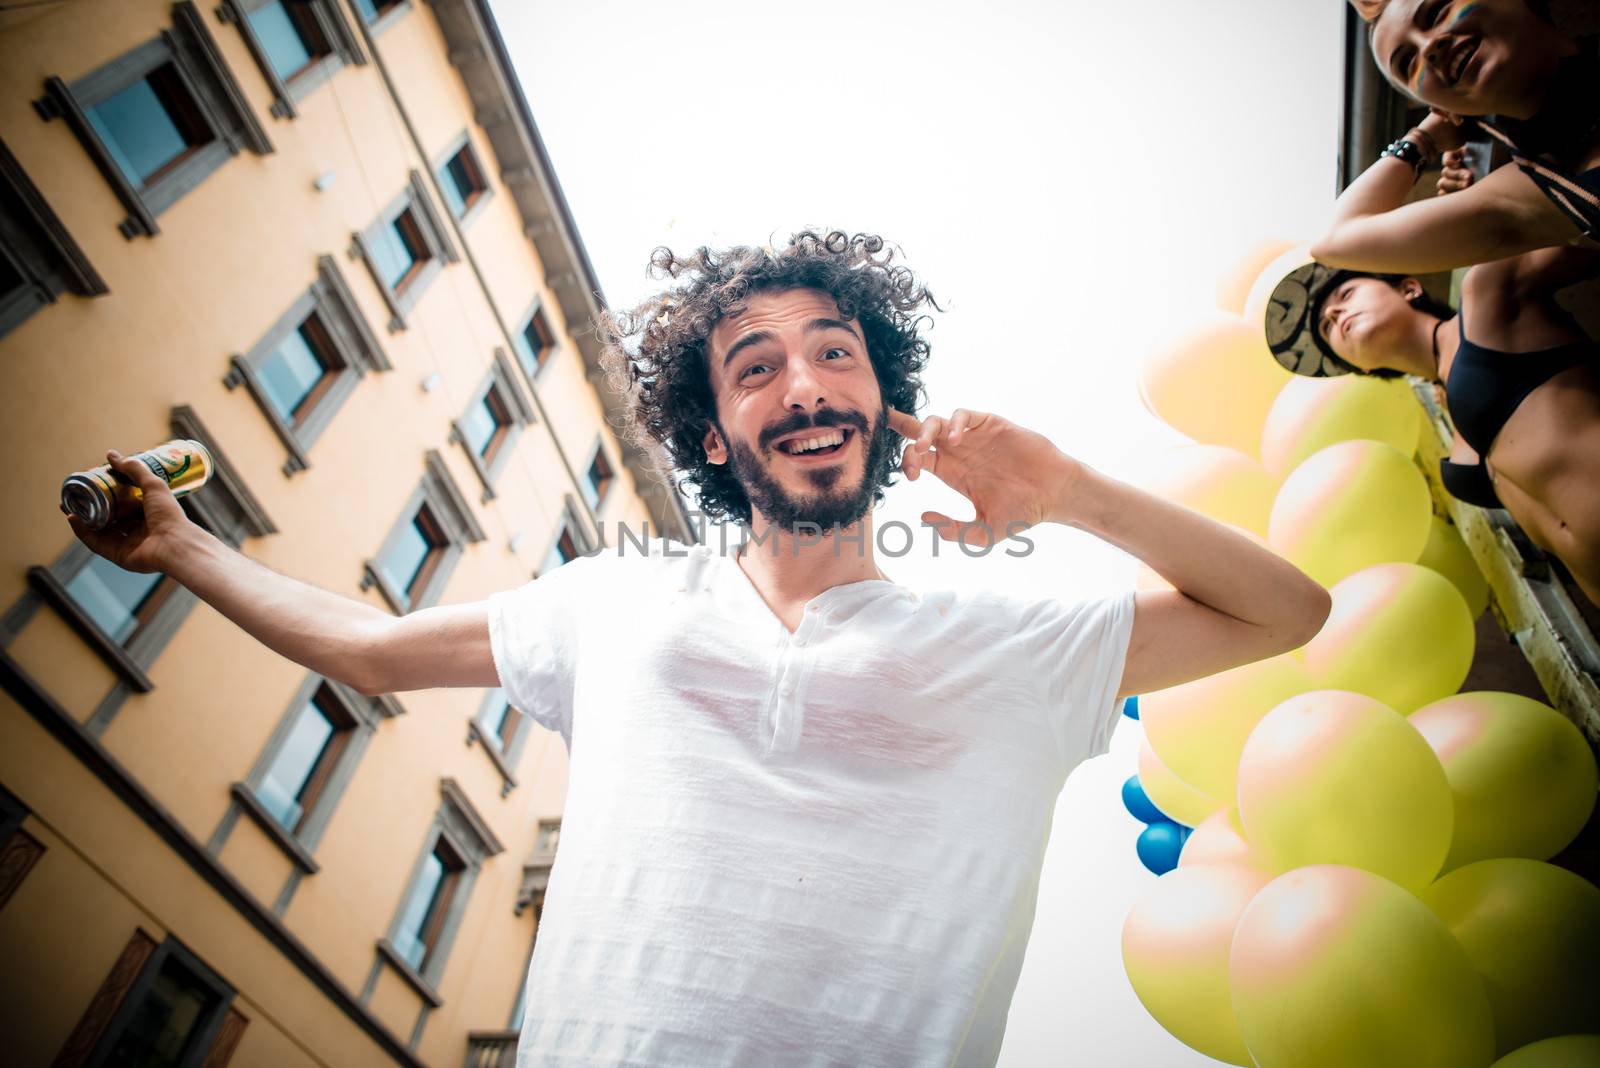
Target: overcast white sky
1070 178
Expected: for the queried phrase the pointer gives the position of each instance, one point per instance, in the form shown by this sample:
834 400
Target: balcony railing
491 1049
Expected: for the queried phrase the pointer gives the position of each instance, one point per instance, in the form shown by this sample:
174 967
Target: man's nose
803 390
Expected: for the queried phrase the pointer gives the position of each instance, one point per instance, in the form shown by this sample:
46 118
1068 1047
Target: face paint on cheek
1463 11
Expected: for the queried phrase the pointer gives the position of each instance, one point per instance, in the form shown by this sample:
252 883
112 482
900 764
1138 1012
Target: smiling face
1366 321
799 412
1468 57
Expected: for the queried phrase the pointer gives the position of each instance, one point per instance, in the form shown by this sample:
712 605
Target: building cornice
479 53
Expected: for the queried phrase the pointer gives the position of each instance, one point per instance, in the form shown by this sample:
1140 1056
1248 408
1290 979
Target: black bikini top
1485 385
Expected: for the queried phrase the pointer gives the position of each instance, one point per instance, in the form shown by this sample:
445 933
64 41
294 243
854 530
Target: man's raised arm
339 637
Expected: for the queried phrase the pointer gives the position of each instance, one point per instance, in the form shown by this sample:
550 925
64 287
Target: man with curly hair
807 807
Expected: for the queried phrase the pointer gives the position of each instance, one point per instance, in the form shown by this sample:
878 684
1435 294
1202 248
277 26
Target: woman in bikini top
1494 68
1521 381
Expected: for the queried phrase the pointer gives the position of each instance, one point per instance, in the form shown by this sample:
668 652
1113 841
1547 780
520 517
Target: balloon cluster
1365 881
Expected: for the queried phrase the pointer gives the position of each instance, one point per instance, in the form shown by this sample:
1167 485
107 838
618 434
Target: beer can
102 495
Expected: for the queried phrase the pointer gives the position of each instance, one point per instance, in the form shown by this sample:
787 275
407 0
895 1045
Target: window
411 568
405 249
305 766
19 850
158 119
39 261
571 540
536 872
461 178
308 363
159 1006
378 12
127 617
296 43
494 418
454 850
598 478
428 903
501 730
535 342
298 774
118 601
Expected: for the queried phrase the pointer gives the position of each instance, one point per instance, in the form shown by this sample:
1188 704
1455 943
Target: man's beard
831 505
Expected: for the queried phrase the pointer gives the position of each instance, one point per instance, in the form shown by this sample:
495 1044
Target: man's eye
753 367
841 352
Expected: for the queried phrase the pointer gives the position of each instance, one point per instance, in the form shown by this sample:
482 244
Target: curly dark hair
656 352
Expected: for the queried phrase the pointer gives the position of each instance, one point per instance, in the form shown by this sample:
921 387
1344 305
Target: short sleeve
1080 650
533 635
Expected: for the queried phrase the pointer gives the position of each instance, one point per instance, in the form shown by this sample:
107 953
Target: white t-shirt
818 848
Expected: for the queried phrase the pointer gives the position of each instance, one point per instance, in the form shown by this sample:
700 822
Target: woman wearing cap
1540 87
1520 379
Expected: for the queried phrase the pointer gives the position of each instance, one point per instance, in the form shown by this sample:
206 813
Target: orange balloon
1220 840
1214 383
1233 288
1175 949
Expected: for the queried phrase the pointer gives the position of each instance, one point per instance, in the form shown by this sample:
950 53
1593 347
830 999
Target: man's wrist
1078 495
184 550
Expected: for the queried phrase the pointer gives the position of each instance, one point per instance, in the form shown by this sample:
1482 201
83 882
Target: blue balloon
1159 845
1138 803
1130 708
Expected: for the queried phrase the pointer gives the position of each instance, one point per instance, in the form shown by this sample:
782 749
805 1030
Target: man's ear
716 451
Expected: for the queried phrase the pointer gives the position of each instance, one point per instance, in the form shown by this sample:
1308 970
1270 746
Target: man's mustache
826 418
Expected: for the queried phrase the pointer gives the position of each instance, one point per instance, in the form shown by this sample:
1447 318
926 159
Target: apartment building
324 238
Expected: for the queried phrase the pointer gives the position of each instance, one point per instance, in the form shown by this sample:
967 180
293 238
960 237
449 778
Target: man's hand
144 541
1455 171
1014 477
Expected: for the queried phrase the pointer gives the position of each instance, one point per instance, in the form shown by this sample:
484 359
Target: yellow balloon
1568 1051
1447 554
1175 949
1312 413
1215 481
1334 967
1177 800
1215 383
1522 775
1255 303
1198 729
1397 632
1338 778
1532 931
1219 839
1233 288
1349 506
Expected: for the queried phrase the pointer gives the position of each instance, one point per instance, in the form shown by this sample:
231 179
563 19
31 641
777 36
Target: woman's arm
1374 229
1511 303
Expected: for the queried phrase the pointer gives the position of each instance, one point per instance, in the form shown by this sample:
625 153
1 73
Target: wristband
1409 151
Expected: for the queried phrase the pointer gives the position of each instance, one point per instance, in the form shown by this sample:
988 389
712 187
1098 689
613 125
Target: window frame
463 831
387 18
570 524
502 754
448 506
38 248
501 381
601 492
224 506
343 49
535 315
402 297
209 1036
354 350
361 716
212 89
462 142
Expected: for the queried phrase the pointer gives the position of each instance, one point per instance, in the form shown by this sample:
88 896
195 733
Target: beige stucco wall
87 374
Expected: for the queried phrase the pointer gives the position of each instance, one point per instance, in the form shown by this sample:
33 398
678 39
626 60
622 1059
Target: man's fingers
932 429
960 419
136 472
905 425
971 532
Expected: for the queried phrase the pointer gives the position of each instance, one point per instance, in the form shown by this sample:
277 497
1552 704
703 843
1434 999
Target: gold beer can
102 495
